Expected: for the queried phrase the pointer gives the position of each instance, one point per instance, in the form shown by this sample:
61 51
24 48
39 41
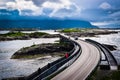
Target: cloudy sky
91 10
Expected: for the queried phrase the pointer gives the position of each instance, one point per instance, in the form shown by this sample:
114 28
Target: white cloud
100 23
105 5
105 23
1 3
57 6
11 5
51 8
24 5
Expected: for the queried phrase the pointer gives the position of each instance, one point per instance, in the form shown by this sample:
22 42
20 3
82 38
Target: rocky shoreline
50 49
17 35
41 50
110 47
53 49
25 36
90 33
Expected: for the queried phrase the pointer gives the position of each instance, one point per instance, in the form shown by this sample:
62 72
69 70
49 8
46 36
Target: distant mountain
45 24
12 19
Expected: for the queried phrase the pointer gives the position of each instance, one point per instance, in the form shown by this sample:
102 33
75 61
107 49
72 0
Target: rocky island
18 35
41 50
86 32
50 49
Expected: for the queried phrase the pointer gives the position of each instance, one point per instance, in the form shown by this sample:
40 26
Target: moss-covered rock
41 50
17 35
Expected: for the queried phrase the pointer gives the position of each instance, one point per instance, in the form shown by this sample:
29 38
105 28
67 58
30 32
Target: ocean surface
15 67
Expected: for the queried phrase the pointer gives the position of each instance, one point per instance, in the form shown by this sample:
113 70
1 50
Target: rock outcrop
25 36
111 47
43 49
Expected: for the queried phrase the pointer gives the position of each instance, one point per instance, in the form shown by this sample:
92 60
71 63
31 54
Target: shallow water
15 67
4 32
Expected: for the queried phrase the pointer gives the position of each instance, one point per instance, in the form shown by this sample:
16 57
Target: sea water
19 67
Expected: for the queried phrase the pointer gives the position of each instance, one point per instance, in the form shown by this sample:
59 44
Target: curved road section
83 66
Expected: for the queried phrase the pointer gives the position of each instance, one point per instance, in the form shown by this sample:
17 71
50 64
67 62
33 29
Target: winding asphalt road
83 66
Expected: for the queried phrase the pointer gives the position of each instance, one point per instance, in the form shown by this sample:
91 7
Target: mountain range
12 19
45 24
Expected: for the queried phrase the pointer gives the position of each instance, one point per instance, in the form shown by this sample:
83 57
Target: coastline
18 35
26 35
44 58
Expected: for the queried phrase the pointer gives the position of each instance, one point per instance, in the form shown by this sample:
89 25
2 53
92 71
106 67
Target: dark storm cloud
91 10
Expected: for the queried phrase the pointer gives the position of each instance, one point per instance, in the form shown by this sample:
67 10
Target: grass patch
71 30
37 34
18 34
34 51
25 48
68 30
13 34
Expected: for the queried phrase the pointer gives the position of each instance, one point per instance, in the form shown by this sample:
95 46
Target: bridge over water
83 59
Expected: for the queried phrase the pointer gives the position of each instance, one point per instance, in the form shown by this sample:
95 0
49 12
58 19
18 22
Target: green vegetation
37 34
61 43
114 75
68 30
105 75
20 34
13 34
41 50
71 30
24 48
